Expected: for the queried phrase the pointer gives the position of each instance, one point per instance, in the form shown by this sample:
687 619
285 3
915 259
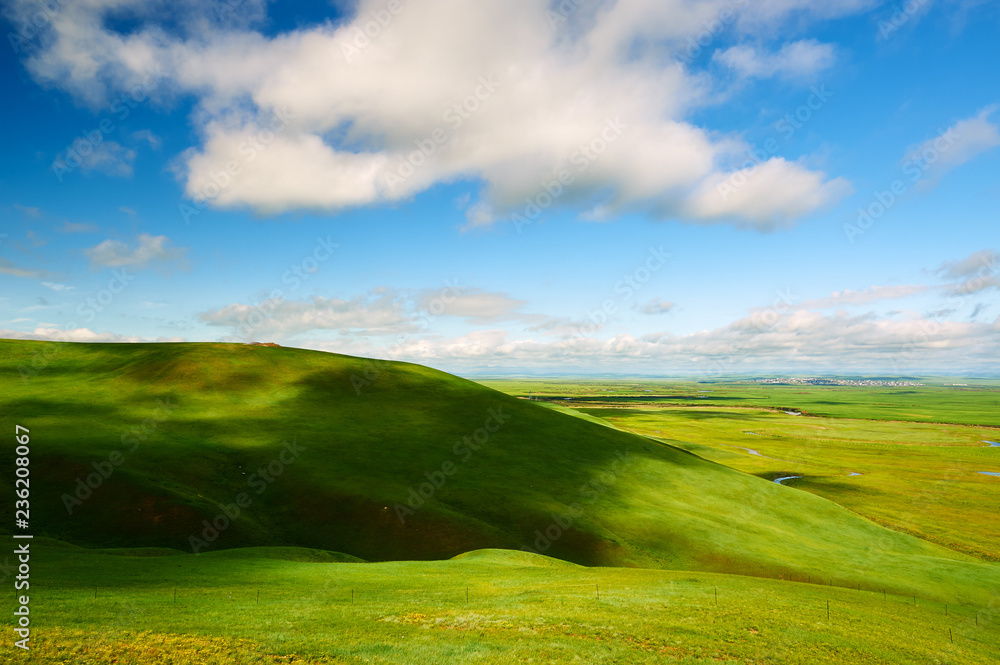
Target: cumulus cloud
799 59
768 196
370 119
151 249
797 340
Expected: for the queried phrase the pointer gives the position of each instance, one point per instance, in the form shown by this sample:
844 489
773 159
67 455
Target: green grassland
977 403
483 607
914 477
324 453
918 474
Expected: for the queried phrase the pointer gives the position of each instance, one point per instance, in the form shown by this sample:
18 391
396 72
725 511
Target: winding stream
783 478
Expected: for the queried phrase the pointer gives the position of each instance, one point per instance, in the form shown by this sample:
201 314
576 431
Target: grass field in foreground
520 608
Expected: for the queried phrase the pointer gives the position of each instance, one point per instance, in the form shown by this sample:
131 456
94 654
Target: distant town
835 382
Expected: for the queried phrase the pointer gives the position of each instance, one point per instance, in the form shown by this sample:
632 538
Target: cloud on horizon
55 334
799 340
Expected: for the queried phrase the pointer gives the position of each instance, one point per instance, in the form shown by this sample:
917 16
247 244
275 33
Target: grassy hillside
189 431
485 607
913 477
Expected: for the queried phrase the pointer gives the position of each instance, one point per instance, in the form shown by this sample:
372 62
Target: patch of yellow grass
59 645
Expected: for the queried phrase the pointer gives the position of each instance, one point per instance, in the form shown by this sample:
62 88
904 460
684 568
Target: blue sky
246 171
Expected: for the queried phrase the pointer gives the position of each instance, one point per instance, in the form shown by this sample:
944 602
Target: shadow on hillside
47 408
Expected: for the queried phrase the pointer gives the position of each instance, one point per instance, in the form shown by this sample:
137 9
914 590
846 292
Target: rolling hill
204 447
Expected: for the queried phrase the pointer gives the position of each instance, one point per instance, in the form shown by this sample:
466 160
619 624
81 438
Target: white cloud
55 286
801 340
799 59
977 284
566 327
29 211
980 271
150 250
865 297
958 144
8 268
107 157
149 137
74 227
475 305
978 263
375 313
768 196
656 306
52 333
354 121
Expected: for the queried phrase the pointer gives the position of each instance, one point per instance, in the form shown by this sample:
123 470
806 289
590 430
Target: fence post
828 610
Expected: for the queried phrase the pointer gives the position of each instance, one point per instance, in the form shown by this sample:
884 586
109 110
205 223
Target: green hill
486 608
146 445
